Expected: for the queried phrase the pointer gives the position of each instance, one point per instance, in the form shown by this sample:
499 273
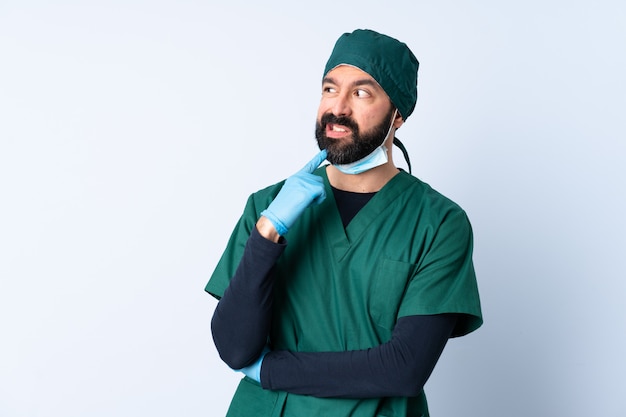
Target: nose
341 106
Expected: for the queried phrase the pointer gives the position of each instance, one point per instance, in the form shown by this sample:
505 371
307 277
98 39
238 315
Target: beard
342 151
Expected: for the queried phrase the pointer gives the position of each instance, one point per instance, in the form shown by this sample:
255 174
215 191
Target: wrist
266 229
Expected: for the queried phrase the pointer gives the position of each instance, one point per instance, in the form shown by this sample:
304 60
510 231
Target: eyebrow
357 83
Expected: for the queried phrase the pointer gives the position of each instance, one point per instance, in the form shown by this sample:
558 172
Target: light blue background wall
131 133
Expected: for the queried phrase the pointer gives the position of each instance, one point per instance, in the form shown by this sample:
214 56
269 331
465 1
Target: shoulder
417 193
260 199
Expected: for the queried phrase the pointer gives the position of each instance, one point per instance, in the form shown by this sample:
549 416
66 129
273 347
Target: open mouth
337 131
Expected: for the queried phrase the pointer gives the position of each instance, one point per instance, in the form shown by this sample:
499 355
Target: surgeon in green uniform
340 286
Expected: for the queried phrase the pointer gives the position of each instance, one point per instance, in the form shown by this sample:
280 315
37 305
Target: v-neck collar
342 239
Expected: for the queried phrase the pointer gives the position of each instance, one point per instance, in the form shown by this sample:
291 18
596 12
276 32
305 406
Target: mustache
339 120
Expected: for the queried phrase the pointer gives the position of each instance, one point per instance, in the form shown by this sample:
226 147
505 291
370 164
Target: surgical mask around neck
375 159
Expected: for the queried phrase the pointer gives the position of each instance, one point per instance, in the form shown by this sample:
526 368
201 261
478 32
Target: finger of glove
315 162
320 198
254 370
314 186
298 192
309 188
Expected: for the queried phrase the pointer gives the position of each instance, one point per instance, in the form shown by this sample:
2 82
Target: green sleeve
445 281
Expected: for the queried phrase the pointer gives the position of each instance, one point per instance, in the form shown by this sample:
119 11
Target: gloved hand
254 371
299 191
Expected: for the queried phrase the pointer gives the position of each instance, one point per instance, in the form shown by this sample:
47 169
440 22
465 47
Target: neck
365 182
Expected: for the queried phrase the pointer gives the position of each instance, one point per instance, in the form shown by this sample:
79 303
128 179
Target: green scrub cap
389 61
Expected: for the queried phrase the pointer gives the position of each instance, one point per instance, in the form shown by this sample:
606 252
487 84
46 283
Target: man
341 285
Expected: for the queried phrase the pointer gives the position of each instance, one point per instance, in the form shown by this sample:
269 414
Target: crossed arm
241 324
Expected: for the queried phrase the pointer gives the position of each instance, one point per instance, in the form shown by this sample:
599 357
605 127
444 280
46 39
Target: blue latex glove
254 371
299 191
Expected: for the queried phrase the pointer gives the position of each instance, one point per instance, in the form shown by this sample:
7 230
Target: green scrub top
407 252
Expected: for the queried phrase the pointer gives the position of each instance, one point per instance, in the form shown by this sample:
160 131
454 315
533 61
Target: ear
398 120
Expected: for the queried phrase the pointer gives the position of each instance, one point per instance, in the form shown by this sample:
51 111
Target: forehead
350 75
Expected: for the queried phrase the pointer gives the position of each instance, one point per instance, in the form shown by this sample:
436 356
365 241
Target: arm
399 367
441 303
241 323
241 320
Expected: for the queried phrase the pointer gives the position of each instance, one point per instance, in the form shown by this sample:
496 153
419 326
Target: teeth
338 129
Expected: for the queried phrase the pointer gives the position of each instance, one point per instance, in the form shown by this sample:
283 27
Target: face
354 115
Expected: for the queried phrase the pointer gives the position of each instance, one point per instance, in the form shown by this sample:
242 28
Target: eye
362 93
328 90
